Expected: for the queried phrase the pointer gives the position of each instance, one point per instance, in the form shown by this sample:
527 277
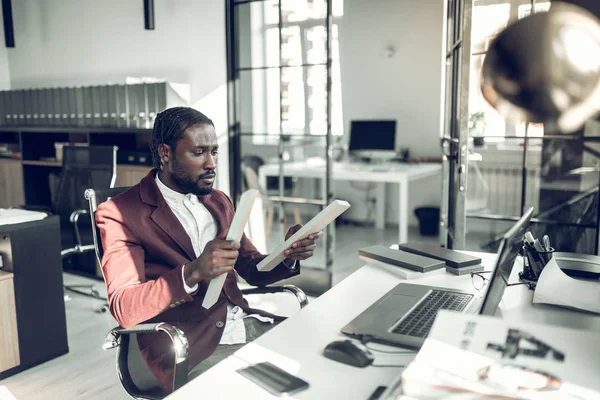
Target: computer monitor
372 137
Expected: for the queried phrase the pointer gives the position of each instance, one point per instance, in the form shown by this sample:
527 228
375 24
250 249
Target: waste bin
429 220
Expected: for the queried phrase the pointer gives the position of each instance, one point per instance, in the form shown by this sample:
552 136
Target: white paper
556 287
319 221
236 229
461 347
17 216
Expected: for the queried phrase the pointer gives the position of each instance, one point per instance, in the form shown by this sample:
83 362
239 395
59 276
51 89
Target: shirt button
172 305
220 324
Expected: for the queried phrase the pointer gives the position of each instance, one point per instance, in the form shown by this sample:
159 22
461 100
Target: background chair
250 167
82 167
135 377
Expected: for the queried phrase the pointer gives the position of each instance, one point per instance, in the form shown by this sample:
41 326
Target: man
163 243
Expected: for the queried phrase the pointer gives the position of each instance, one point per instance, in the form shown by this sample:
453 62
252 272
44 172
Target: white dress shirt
201 227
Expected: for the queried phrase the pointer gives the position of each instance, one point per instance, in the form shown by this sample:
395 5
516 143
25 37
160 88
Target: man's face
194 160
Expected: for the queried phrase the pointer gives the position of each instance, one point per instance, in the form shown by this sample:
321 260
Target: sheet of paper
17 216
235 233
556 287
319 221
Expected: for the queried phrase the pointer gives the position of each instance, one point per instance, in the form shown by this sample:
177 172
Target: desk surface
391 172
296 344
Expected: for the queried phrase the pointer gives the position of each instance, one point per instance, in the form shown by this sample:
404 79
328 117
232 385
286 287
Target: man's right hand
219 257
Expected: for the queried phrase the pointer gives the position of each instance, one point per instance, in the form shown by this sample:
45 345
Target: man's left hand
304 248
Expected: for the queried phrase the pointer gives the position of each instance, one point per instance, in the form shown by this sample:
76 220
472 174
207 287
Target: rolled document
235 233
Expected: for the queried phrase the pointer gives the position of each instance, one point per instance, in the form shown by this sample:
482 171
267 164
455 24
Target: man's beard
188 183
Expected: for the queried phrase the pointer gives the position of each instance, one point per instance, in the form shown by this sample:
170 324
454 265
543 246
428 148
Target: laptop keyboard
419 321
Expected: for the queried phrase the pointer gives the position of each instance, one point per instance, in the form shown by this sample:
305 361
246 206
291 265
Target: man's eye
214 153
198 153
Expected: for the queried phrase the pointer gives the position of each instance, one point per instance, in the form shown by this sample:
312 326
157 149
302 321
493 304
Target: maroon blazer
145 247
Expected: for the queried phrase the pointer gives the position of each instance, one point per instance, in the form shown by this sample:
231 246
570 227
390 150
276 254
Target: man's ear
164 151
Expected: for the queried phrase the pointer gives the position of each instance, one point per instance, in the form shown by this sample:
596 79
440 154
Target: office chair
136 378
82 167
250 165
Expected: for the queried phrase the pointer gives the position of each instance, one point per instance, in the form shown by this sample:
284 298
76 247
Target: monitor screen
372 135
507 254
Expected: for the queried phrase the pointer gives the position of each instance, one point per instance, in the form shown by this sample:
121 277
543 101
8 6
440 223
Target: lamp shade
546 68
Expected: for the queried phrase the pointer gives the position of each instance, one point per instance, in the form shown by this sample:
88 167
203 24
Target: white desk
398 173
296 344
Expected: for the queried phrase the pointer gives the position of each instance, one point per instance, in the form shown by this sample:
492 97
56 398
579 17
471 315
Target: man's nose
211 162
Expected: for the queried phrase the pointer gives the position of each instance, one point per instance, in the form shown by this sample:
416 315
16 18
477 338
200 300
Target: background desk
398 173
32 305
296 344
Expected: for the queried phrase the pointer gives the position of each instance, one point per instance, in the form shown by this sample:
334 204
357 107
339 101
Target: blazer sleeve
249 257
132 298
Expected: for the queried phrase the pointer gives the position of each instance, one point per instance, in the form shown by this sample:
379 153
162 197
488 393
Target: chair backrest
96 197
83 167
130 361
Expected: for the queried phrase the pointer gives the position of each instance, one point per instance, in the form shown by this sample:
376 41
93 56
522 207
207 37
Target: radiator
496 189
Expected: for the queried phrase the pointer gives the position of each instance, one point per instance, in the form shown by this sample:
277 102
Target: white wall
405 87
4 69
86 42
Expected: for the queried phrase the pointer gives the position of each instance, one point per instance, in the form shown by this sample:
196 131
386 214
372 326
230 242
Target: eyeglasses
479 281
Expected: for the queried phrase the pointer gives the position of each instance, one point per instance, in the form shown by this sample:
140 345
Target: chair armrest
296 291
119 338
79 246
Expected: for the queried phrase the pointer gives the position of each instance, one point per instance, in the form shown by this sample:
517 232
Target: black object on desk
273 379
401 258
452 258
349 352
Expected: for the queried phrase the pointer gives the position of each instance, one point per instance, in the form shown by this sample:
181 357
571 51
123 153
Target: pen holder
534 262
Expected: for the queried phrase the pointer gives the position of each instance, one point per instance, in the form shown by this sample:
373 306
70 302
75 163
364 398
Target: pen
546 241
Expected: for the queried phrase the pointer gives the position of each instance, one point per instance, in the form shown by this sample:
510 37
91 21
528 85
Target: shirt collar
171 195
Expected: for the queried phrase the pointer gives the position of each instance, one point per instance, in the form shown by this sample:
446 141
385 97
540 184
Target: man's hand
301 249
219 257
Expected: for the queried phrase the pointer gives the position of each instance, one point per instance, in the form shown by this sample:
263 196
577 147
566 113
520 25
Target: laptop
404 315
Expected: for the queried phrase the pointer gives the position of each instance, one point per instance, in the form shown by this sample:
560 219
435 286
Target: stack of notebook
414 260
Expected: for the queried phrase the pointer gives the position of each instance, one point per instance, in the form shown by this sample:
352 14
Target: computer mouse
349 352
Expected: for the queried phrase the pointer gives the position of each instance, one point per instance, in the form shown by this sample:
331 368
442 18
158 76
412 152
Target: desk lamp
546 68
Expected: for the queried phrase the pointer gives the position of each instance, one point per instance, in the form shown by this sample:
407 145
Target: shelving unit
32 174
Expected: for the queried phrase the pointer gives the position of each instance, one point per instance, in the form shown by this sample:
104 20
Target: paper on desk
235 233
18 216
556 287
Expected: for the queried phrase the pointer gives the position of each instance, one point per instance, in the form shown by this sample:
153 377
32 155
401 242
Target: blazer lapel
163 216
168 222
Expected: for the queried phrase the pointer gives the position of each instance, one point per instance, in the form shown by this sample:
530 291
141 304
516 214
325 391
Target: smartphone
273 379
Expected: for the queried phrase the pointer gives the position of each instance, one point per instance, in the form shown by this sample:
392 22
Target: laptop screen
512 241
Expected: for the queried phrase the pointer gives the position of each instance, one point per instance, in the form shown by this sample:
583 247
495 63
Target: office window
302 84
487 21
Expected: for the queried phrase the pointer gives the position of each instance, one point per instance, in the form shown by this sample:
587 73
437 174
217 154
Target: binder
122 106
96 96
65 118
2 109
35 106
137 105
79 105
49 104
72 106
20 103
152 101
161 96
111 92
88 106
27 107
56 102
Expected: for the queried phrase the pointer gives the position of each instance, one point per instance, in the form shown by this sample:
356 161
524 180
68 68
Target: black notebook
452 258
401 258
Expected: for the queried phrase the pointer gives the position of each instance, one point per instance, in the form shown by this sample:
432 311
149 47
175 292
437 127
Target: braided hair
170 125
